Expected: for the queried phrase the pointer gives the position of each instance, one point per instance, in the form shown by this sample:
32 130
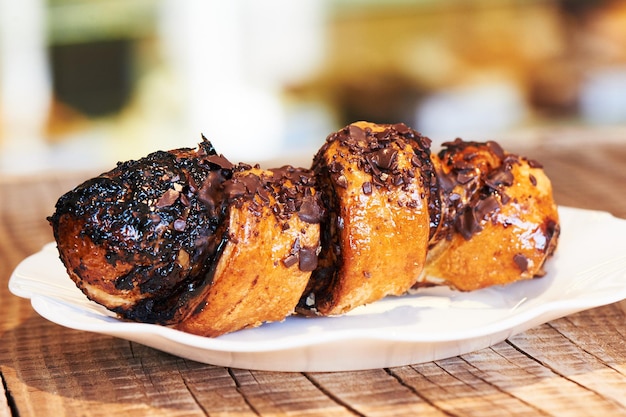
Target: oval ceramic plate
588 270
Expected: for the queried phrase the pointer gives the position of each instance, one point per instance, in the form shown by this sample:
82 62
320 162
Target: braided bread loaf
187 239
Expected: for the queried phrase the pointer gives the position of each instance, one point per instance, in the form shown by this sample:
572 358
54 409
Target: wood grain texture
573 366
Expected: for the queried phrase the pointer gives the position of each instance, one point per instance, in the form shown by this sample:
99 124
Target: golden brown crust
186 239
500 221
375 180
267 258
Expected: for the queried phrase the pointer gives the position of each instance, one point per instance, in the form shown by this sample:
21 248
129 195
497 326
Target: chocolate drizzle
375 153
473 178
287 191
150 214
165 216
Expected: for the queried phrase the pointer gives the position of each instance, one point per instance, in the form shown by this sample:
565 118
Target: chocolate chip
263 194
496 149
384 158
446 182
412 203
357 133
367 188
234 189
486 206
532 179
290 260
308 259
500 177
383 136
209 192
416 161
342 181
401 128
219 161
521 261
467 224
465 176
310 210
335 167
168 198
251 182
290 206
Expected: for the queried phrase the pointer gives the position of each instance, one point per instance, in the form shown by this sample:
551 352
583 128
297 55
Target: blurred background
86 83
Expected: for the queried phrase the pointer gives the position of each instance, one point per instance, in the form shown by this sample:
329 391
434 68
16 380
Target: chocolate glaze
288 191
474 178
375 155
473 185
145 213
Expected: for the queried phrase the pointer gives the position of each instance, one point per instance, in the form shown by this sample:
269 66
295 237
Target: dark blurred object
93 78
578 9
379 99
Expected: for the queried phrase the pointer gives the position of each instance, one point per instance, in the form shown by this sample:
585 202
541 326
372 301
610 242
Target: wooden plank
457 388
285 394
526 378
214 390
586 349
61 371
376 392
586 179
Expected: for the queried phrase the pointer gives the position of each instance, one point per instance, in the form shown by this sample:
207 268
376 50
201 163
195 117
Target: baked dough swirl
376 182
499 223
269 250
140 238
187 239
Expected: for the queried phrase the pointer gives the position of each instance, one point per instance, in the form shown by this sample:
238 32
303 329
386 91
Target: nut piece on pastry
376 182
270 248
136 239
499 221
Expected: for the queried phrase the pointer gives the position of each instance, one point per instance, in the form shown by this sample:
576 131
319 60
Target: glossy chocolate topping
288 191
158 214
376 157
373 152
473 178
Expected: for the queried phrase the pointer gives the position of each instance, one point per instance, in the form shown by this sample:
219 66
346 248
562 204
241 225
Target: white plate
588 270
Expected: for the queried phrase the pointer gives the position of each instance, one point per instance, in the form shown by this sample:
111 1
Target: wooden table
574 366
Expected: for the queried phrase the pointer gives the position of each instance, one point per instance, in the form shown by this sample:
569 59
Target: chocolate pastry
139 239
268 253
499 220
187 239
376 182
